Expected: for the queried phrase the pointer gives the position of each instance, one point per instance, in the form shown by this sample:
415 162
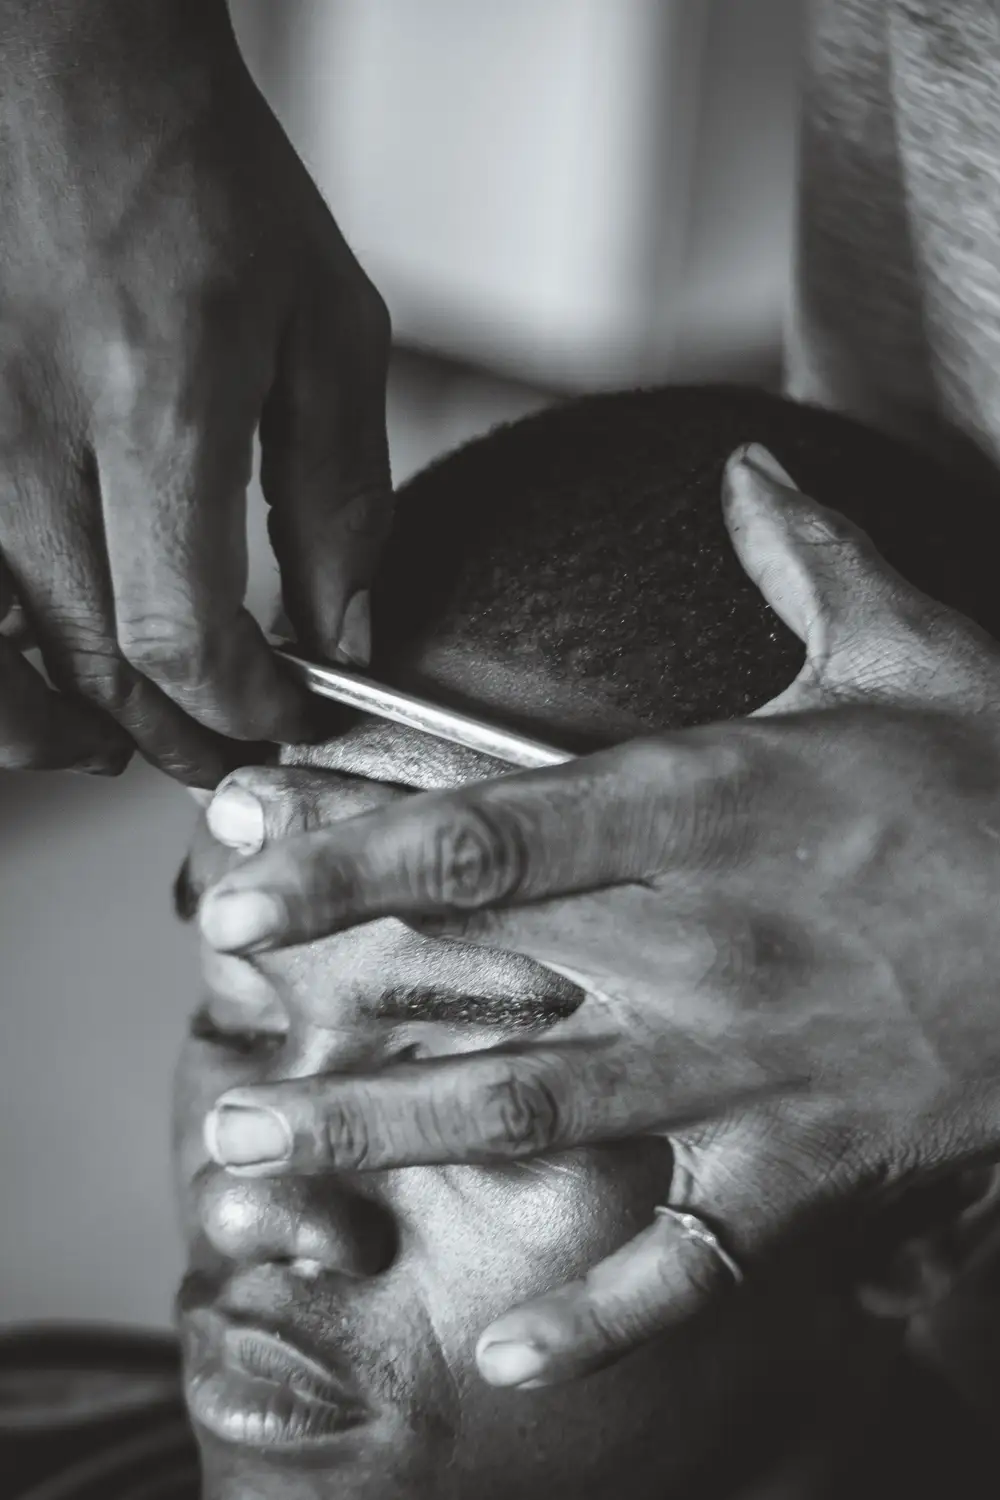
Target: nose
321 1223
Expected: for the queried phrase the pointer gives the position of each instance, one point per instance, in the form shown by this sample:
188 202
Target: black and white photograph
499 749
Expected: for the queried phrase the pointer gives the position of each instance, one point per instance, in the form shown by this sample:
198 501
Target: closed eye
429 1039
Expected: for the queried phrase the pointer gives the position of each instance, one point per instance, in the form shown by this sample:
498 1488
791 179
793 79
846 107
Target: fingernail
231 920
511 1364
237 1135
757 457
236 818
355 643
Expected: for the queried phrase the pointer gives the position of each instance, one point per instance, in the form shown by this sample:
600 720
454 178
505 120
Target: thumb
818 571
658 1280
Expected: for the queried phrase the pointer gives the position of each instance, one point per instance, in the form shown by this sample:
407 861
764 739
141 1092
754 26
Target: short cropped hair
590 536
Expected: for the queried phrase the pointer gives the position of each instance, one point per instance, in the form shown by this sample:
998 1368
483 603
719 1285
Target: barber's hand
786 926
170 277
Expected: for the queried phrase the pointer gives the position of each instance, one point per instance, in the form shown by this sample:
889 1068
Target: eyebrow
459 1007
439 1002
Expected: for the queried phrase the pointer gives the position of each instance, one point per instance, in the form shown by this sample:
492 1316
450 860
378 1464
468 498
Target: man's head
571 576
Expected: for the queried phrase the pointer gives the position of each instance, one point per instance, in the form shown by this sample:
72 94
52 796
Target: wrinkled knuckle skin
644 759
476 860
660 762
825 527
519 1116
599 1331
612 1325
290 811
346 1141
109 684
92 669
160 652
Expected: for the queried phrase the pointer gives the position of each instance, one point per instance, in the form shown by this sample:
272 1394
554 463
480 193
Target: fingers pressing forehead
257 804
372 764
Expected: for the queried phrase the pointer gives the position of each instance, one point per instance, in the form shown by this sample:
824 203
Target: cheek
482 1241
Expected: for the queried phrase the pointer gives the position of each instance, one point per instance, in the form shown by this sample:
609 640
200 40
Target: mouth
254 1386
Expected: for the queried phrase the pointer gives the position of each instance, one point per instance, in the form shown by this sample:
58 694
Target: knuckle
344 1137
604 1326
104 682
137 393
79 663
691 797
641 1301
124 372
150 404
298 809
476 859
519 1113
822 526
684 762
287 807
315 797
162 649
645 759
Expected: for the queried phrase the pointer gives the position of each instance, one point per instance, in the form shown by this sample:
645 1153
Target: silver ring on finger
698 1232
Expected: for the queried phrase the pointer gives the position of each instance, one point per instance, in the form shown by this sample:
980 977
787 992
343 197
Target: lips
256 1386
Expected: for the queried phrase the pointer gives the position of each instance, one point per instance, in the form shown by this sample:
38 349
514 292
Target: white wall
574 192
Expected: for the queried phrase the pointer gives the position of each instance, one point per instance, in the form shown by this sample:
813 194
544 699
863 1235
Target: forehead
385 963
517 689
375 750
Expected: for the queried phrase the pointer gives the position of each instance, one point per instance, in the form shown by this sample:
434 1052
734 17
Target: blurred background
552 196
